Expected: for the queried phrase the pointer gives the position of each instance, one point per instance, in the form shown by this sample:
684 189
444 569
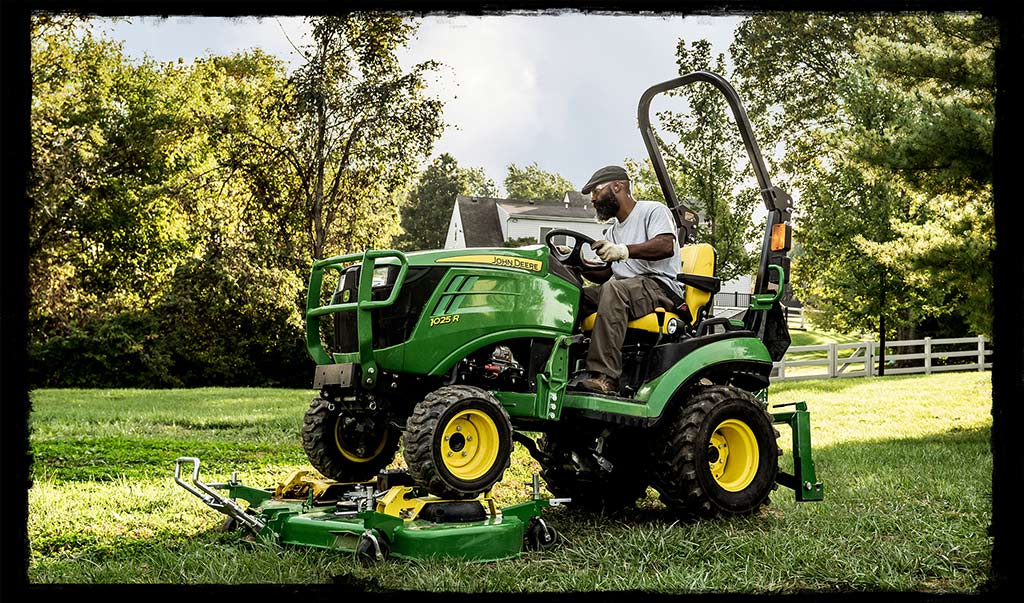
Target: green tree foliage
149 217
428 212
362 125
173 221
888 123
105 225
706 161
531 182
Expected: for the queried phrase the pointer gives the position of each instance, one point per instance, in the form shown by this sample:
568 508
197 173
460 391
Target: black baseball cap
605 174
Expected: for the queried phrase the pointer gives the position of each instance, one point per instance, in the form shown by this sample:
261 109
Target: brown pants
617 302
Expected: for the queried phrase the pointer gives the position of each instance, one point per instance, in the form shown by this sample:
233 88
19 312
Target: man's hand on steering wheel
573 256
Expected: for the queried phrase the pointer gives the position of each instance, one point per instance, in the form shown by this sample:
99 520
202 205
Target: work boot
601 384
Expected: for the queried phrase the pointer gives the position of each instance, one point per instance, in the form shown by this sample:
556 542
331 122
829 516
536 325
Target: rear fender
743 358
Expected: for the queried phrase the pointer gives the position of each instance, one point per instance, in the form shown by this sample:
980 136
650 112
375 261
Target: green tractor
460 353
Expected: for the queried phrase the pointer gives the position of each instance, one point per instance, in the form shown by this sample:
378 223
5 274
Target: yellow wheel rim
354 455
733 455
469 445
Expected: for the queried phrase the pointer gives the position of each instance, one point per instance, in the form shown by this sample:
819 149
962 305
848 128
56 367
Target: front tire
458 442
717 456
345 446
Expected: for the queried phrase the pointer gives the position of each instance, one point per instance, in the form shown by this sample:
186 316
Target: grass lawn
906 463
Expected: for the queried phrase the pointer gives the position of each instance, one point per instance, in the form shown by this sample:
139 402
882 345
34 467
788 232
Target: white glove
610 252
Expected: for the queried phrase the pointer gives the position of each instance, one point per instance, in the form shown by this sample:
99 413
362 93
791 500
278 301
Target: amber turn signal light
782 237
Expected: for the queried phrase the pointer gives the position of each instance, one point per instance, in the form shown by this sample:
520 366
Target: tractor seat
647 322
699 284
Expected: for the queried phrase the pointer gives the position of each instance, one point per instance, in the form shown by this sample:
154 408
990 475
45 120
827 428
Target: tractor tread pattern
674 454
419 437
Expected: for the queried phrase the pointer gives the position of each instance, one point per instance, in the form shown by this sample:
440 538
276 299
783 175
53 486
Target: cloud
489 82
561 90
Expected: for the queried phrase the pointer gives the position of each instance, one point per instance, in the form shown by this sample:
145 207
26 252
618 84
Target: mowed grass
906 464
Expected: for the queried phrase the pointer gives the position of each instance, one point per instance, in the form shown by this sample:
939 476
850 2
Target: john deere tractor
460 353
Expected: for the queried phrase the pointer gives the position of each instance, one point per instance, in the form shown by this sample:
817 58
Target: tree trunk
319 227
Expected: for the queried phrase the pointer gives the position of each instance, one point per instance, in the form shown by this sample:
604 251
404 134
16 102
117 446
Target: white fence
795 318
861 359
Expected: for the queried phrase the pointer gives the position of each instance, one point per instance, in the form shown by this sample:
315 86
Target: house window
544 230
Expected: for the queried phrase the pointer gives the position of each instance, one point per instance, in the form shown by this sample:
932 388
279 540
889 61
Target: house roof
556 210
480 223
480 217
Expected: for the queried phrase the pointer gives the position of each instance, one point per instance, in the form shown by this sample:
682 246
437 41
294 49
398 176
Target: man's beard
606 208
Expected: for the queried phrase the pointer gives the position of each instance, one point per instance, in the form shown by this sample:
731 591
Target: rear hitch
803 481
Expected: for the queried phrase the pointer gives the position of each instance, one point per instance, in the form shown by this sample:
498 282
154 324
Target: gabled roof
556 210
480 223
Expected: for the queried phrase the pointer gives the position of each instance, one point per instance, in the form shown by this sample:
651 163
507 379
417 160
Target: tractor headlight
671 326
380 276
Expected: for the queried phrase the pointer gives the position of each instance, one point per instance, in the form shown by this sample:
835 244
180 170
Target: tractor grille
391 325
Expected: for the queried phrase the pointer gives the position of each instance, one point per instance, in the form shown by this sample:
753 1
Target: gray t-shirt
647 220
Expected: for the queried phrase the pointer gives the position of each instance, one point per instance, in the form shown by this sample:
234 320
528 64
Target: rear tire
717 456
458 442
347 447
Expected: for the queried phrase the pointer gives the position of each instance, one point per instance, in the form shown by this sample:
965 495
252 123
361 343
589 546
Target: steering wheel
574 259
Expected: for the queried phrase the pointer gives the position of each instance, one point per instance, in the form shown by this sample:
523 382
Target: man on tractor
642 253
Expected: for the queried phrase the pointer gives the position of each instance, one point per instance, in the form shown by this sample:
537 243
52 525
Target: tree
936 146
361 126
531 182
889 123
426 215
104 223
162 252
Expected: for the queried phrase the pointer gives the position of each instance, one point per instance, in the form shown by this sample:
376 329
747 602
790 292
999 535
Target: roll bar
778 203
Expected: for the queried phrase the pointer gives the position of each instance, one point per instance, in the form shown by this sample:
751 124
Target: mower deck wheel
540 536
371 548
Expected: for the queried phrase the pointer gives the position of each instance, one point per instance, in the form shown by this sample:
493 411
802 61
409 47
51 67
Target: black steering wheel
574 258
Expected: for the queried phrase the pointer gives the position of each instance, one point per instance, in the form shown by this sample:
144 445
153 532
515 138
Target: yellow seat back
697 259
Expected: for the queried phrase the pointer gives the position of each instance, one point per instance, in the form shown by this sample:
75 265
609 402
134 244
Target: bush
233 327
216 326
122 351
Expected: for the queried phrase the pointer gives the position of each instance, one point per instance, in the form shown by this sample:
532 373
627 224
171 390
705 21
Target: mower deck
377 519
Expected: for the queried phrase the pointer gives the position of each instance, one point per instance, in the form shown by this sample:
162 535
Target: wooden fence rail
861 359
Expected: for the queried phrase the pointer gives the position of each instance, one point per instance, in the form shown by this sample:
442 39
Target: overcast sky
560 90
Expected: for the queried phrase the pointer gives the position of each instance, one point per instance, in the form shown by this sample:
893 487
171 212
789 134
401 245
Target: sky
559 90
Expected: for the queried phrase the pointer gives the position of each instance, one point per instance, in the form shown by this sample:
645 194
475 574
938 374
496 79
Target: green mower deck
378 519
